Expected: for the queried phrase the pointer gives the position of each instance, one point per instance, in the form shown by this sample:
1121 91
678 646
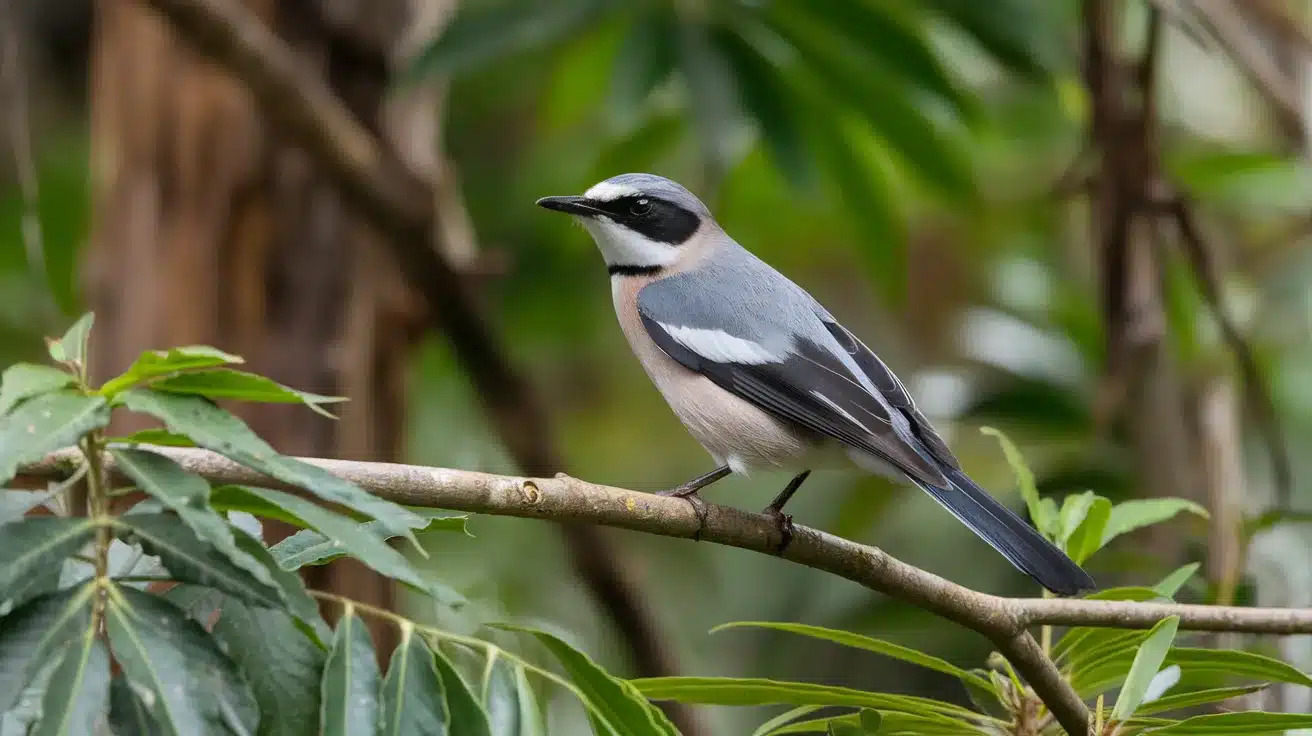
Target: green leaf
844 728
1074 509
884 37
1130 515
936 159
160 437
153 365
1013 31
22 381
294 595
127 714
616 702
757 691
31 636
783 719
217 430
1025 479
284 667
766 99
646 61
190 559
15 504
857 641
78 693
44 424
897 724
1087 537
479 35
308 547
1237 663
72 347
1171 584
36 543
467 715
364 546
188 496
1249 723
412 698
193 687
349 690
226 383
1197 697
507 713
1147 661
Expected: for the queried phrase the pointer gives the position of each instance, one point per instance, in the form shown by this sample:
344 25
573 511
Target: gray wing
766 342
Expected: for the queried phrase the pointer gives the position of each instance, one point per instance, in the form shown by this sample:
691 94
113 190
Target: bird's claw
784 522
697 502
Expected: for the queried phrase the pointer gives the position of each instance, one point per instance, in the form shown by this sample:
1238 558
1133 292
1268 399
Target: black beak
572 205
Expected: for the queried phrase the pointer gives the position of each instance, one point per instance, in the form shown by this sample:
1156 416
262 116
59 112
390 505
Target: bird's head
641 222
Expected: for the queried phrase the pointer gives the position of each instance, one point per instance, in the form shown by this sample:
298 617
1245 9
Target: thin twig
1004 621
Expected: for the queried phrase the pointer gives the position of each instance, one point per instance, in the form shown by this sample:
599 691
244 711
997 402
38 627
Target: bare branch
1003 620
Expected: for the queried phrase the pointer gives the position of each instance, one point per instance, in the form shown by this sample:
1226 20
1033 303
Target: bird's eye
640 207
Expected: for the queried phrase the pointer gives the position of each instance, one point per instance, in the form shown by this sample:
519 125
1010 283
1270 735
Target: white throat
621 246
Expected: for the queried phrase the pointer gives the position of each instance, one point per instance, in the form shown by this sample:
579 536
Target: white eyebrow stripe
608 192
830 403
720 346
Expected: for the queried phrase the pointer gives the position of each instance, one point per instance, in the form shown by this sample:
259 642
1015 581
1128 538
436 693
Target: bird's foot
689 493
784 522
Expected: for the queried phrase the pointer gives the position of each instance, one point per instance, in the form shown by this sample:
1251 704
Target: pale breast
732 430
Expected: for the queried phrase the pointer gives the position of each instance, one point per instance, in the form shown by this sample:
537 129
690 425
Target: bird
764 377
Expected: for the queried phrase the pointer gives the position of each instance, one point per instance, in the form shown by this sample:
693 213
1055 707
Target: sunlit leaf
783 719
284 667
1147 661
72 347
153 365
44 424
194 687
1249 723
22 381
1025 480
1138 513
857 641
78 693
615 702
241 386
34 544
412 696
350 681
756 691
1171 584
1179 701
217 430
1087 537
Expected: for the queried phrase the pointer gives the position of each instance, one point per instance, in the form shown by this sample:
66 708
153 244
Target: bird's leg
688 491
776 510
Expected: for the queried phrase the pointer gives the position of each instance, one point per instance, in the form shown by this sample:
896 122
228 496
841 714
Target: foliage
1136 678
205 629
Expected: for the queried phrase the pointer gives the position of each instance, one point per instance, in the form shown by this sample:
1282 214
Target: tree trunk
210 227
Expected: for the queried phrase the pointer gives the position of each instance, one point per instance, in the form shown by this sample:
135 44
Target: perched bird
763 376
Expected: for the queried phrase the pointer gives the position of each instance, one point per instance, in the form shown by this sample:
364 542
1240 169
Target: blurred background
1086 223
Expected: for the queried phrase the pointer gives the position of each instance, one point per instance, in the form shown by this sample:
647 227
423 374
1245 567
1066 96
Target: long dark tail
1009 534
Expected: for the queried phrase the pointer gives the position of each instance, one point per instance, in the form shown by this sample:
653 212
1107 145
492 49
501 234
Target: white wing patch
720 346
608 192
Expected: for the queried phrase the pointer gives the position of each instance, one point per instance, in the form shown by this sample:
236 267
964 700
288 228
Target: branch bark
1004 621
402 206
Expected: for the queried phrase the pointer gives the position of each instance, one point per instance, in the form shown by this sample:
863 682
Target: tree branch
1004 621
401 206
